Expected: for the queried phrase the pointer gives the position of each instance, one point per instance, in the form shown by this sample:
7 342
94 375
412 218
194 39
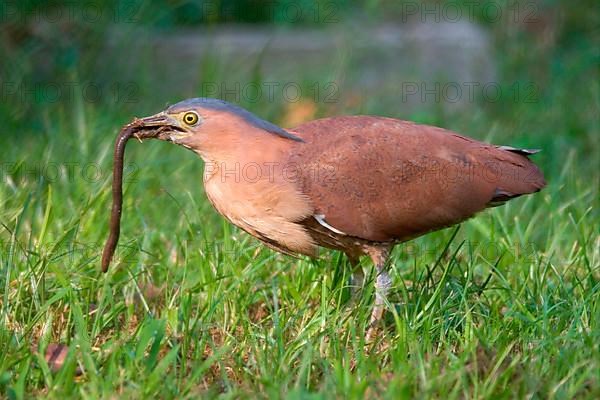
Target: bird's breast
261 204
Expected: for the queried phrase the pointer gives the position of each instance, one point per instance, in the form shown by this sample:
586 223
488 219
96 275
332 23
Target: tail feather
518 175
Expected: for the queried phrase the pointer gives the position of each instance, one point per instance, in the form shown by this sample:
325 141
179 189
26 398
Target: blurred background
519 73
525 70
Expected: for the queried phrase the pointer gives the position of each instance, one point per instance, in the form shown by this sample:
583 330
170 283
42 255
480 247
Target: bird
356 184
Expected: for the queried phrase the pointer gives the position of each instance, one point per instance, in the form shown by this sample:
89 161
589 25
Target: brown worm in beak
117 193
133 129
139 130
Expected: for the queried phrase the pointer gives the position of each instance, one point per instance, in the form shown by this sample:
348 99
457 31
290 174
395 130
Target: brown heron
358 184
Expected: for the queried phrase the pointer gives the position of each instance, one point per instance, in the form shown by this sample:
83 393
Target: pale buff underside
268 210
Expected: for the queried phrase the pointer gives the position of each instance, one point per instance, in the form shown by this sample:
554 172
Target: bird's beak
160 126
159 119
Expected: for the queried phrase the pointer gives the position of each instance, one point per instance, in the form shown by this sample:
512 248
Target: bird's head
207 125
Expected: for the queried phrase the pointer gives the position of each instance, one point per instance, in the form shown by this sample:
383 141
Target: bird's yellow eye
190 118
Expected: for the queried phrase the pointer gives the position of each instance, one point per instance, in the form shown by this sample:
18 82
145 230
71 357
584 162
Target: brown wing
383 179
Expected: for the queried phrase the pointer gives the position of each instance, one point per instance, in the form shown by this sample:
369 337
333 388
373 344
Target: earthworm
117 192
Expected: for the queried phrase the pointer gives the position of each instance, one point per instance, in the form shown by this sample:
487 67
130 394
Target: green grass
196 307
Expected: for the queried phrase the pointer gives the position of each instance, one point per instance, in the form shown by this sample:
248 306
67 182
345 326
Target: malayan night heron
358 184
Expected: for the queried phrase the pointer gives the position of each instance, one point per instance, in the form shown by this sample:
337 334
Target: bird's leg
357 281
383 283
357 276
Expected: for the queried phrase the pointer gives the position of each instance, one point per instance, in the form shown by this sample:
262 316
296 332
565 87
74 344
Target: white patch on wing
321 220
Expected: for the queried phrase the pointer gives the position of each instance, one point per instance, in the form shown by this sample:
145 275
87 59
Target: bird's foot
376 316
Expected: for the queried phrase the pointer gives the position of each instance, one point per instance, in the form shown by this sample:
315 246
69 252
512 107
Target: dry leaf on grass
56 355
